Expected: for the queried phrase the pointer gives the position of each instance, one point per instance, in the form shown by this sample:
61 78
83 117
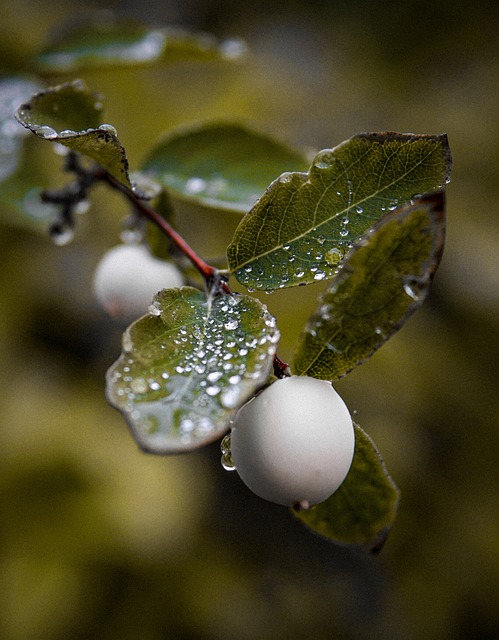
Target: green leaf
382 281
222 166
70 115
298 232
184 372
107 43
363 509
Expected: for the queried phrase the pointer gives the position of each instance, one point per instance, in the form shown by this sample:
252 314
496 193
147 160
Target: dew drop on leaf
195 185
155 308
109 128
333 256
48 133
61 236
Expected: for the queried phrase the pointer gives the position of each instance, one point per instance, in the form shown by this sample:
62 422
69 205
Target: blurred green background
99 541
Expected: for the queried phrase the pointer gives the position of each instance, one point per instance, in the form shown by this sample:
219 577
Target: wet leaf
382 281
298 232
70 114
107 43
188 366
223 166
362 511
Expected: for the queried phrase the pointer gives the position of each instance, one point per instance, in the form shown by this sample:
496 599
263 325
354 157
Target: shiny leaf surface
70 115
108 43
222 166
189 365
382 281
301 228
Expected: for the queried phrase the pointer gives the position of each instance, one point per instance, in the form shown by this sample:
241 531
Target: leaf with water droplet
362 511
71 115
220 166
184 373
104 43
382 281
313 217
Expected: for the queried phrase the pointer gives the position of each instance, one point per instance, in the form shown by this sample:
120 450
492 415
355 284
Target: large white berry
128 276
294 442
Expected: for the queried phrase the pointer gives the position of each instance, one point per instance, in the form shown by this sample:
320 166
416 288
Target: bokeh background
99 541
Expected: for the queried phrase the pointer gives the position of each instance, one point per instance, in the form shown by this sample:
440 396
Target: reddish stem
210 274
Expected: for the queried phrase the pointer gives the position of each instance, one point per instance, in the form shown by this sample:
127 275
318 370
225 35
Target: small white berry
294 442
128 276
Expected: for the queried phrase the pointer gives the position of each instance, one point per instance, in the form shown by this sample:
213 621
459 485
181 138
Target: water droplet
233 48
320 275
343 233
214 376
195 185
321 239
333 256
48 133
78 85
227 462
144 187
230 397
232 324
67 133
410 291
155 308
187 425
109 128
213 391
154 386
139 385
61 236
285 178
82 207
359 209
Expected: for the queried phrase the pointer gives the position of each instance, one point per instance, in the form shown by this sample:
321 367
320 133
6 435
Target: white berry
128 276
294 442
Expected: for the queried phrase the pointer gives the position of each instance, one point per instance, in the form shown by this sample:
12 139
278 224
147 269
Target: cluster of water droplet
214 187
181 391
